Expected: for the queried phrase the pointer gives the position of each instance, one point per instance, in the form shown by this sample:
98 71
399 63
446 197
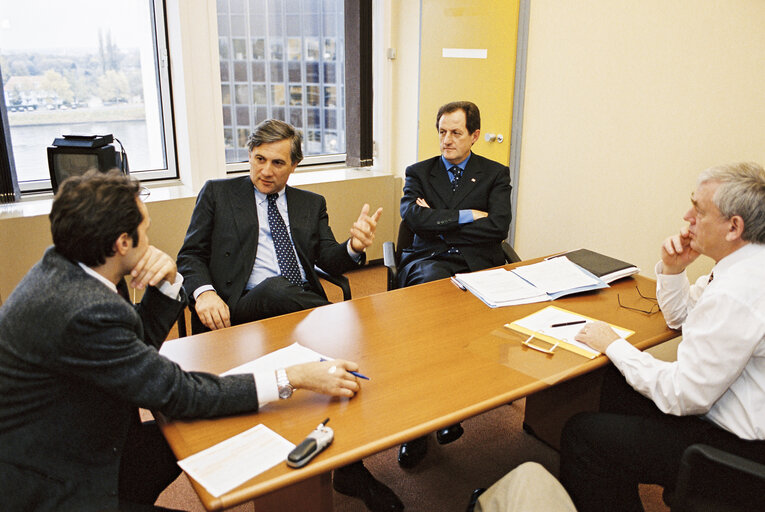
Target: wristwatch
283 384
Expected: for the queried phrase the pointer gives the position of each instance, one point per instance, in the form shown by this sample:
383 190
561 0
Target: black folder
605 267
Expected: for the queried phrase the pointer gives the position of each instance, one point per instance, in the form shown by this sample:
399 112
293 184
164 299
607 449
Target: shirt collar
260 196
461 165
98 276
736 256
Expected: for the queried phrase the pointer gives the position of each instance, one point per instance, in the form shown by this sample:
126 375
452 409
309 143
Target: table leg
547 410
312 495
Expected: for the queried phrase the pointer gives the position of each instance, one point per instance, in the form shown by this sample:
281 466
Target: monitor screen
73 164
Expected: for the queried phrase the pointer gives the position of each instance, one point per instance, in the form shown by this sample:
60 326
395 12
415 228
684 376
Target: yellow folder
539 325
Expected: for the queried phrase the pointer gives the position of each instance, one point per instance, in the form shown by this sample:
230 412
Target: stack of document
546 280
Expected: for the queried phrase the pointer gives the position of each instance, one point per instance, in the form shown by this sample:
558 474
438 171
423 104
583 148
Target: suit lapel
244 215
296 216
439 179
297 220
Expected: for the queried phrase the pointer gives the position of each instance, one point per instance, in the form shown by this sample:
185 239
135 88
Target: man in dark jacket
457 205
77 360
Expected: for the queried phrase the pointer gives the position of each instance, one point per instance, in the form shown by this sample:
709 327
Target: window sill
34 205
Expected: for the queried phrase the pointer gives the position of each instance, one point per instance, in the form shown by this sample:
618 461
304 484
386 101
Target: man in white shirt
714 393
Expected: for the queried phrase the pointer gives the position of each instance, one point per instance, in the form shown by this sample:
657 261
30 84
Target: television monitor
74 155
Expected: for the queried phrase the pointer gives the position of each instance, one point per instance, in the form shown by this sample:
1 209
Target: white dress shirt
720 368
266 264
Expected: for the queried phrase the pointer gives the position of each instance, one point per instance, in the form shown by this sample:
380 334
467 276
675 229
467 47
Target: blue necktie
457 172
285 253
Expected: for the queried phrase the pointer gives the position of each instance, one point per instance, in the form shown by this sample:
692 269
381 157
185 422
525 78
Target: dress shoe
410 454
474 499
449 434
356 480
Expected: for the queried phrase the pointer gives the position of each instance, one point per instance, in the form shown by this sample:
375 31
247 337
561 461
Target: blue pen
357 374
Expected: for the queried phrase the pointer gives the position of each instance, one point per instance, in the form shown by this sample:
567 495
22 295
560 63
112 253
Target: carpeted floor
493 444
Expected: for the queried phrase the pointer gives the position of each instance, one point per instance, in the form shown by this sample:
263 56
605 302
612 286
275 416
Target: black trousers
273 297
605 455
148 466
439 266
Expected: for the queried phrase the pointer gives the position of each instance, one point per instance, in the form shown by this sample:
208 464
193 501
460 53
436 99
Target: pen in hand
563 324
357 374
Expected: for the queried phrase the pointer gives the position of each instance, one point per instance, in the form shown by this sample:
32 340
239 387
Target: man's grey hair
273 130
741 192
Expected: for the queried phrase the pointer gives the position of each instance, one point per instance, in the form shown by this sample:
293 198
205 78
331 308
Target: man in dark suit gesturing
77 360
458 206
252 242
250 252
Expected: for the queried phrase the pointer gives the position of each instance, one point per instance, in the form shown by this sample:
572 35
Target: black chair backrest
712 479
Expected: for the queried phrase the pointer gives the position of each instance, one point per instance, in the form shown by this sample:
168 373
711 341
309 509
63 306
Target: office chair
197 326
392 253
713 479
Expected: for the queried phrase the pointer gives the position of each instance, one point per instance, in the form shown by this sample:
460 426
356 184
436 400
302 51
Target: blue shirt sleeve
466 217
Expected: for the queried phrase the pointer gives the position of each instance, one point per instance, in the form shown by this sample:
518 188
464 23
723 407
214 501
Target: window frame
165 100
309 162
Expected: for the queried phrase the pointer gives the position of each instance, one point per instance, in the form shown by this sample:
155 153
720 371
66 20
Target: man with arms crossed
458 206
77 360
250 252
714 393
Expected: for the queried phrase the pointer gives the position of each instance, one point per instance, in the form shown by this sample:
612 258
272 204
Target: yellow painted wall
486 82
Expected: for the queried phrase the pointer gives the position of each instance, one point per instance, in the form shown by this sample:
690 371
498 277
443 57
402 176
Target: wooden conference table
436 355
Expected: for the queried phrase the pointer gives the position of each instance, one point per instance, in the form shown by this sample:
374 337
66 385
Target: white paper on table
282 358
555 275
498 286
232 462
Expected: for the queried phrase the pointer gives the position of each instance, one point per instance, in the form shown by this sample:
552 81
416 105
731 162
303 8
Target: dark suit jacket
76 362
485 186
222 239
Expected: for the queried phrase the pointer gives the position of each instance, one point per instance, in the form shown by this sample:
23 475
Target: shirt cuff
620 349
668 278
172 290
355 256
204 288
466 217
265 383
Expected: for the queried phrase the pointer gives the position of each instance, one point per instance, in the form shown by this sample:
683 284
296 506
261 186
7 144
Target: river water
30 145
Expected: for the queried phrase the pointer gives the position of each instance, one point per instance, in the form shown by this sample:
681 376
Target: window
82 67
283 59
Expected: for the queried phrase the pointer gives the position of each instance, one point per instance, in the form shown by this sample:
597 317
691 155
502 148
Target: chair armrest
339 281
510 255
713 479
389 260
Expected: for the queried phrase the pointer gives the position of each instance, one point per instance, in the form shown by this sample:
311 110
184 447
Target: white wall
397 89
626 102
